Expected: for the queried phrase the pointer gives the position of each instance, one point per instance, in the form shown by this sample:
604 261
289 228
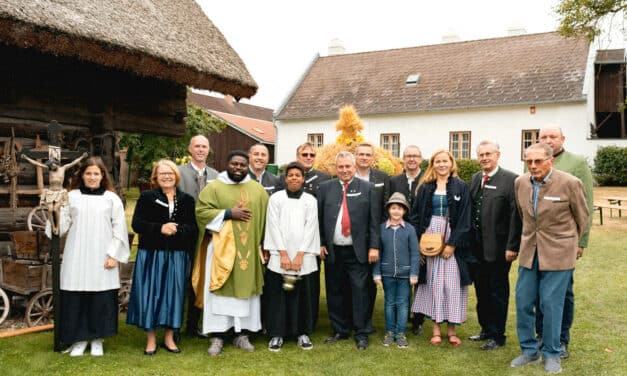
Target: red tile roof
229 106
527 69
261 130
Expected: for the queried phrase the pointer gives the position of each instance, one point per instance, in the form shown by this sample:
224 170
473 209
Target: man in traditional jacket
228 276
259 156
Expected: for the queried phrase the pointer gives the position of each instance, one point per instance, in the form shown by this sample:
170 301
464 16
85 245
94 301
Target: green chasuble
246 279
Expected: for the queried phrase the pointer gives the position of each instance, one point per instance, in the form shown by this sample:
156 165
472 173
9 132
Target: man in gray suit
194 176
496 229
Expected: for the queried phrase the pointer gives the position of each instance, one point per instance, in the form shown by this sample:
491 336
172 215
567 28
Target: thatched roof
166 39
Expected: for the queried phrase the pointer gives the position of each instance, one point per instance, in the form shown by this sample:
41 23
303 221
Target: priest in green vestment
228 275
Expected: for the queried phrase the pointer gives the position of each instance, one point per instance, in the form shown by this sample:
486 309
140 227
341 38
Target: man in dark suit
406 183
259 156
496 228
349 211
306 155
194 176
364 157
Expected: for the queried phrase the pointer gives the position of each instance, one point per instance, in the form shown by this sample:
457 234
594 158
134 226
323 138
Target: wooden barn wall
609 87
231 139
91 102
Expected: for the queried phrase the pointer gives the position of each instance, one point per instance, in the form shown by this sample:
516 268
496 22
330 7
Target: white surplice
292 225
97 229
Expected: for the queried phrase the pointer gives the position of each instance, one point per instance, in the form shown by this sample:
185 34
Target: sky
279 39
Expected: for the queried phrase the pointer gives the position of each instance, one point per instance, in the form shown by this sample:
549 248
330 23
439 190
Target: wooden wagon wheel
39 310
37 219
124 295
4 306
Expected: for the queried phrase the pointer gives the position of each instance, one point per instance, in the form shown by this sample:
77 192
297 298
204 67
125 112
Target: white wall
430 130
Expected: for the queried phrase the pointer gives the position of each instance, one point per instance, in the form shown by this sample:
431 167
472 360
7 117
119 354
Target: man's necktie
201 181
485 179
346 221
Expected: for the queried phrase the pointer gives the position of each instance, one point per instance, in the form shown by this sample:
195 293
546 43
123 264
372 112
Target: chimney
336 47
450 37
516 29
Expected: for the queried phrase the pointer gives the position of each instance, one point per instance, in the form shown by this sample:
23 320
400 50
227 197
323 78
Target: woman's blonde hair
154 184
430 174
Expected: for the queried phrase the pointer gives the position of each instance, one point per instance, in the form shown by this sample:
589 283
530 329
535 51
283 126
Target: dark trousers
347 274
492 288
315 285
567 317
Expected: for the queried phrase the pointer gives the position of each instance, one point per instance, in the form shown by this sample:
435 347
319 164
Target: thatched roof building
165 39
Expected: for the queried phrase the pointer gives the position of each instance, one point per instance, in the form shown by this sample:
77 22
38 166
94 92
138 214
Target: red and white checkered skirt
442 298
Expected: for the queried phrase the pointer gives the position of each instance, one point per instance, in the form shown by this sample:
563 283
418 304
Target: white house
453 95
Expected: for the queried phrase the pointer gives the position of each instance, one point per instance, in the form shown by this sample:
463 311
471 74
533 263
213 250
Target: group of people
245 247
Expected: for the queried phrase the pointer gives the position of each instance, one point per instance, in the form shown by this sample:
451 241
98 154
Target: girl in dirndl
442 205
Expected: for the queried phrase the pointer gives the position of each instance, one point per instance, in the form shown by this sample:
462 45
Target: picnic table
613 202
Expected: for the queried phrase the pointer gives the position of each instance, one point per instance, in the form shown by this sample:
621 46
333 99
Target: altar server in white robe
293 240
96 242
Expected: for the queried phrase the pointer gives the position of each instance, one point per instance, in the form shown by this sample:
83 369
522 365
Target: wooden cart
26 275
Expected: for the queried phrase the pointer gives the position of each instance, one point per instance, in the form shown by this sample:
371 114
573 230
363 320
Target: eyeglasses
308 155
165 173
530 162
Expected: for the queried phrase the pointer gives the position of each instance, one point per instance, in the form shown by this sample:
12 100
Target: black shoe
478 337
175 350
150 353
336 337
362 343
491 345
564 354
417 330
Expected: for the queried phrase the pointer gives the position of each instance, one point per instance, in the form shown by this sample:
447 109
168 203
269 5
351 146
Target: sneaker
524 359
553 365
78 348
243 343
96 347
564 354
215 348
388 339
275 344
304 342
401 341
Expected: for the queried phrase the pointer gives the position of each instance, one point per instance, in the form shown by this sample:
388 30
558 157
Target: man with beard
259 156
231 213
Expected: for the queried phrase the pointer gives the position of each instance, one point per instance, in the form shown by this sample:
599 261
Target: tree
144 149
582 18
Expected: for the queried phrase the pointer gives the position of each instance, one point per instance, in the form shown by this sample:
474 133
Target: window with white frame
391 143
459 144
316 139
528 138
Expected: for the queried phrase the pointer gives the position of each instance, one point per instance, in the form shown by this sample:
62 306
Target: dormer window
412 79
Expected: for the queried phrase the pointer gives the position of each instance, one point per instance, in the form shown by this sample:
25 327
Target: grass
598 343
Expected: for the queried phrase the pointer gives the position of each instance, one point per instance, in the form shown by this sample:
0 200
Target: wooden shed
98 67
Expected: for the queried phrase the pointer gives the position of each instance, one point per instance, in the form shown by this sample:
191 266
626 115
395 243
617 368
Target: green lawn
597 348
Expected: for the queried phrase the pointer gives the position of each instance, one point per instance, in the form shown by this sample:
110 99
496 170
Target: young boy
396 269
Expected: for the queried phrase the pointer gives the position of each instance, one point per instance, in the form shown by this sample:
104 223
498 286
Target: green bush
610 165
466 168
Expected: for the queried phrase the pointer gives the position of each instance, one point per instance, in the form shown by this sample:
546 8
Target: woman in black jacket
165 220
442 205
